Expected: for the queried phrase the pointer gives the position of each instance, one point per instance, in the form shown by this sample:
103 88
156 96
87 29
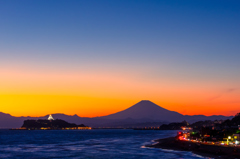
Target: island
51 124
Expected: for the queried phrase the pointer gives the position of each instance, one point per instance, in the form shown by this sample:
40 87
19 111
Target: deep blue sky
202 31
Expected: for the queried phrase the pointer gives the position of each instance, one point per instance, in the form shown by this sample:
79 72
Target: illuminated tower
50 117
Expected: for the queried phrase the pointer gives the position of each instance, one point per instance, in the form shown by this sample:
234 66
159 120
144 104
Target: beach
212 151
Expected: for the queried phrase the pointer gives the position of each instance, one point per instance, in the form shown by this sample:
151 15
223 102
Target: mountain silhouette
8 121
143 114
146 109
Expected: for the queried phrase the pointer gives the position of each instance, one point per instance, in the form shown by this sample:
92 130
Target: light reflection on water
86 144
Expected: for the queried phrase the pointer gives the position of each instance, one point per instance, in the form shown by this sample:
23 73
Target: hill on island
57 124
143 114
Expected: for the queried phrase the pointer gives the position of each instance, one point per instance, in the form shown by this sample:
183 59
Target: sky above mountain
95 58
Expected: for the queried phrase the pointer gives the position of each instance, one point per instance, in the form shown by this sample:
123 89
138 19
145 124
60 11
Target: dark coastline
212 151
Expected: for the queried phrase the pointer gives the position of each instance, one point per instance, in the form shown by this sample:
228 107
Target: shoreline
212 151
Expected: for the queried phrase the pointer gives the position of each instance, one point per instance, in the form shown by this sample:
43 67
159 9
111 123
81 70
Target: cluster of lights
186 128
183 136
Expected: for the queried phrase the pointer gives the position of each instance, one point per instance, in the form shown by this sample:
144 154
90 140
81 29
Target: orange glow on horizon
26 92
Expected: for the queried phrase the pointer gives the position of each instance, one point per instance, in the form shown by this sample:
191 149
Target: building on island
50 117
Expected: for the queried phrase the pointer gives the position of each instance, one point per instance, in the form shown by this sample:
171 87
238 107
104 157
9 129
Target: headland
203 149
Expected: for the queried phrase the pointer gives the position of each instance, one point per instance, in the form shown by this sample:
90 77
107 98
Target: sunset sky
97 57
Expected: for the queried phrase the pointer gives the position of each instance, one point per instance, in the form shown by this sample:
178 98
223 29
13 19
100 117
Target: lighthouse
50 117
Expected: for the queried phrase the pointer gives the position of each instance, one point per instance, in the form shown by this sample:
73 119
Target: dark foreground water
85 144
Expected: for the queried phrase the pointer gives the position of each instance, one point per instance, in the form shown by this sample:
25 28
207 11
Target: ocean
90 144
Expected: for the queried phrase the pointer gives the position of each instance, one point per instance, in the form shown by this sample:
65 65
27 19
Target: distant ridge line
143 113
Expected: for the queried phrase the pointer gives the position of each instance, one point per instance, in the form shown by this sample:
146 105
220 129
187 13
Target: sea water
103 144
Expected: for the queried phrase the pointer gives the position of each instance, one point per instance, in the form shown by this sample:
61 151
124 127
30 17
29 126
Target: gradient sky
94 58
